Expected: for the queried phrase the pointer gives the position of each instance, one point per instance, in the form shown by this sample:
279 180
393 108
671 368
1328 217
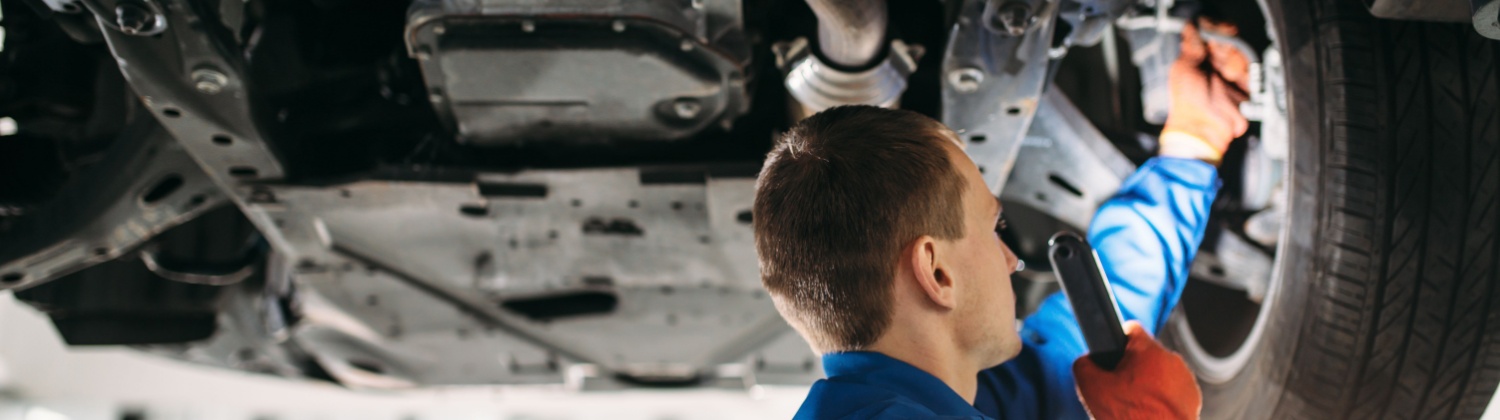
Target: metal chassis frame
992 83
102 213
991 90
216 128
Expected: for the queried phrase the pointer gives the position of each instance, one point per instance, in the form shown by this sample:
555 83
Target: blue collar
881 371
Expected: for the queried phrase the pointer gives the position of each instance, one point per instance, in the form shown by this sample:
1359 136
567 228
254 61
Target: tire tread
1408 326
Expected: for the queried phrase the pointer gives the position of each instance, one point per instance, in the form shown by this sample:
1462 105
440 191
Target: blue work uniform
1145 235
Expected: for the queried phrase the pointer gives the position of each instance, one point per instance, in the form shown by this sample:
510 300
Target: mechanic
878 242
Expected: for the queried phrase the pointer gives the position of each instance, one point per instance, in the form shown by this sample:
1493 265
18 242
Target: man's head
869 220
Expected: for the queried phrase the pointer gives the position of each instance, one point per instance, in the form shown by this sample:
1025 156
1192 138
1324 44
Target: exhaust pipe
850 32
851 37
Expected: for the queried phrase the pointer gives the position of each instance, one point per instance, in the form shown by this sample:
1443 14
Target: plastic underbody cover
502 73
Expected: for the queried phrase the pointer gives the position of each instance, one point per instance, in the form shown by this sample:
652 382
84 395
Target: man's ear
931 277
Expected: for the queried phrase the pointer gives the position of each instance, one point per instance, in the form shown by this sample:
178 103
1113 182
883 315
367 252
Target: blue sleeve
1146 236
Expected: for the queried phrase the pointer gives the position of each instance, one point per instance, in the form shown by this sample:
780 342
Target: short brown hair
840 195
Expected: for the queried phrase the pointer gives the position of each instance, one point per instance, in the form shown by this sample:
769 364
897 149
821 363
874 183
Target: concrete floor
41 379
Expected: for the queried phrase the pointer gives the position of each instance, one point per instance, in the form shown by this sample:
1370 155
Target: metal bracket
991 85
196 87
192 80
1066 168
1235 264
222 278
146 184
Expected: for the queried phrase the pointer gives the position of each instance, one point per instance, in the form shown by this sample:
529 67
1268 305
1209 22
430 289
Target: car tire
1386 303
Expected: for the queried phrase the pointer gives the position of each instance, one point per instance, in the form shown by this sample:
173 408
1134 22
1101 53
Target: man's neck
941 361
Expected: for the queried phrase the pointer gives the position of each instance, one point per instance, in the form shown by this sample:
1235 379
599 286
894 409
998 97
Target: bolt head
686 108
208 88
1014 18
134 19
209 81
966 80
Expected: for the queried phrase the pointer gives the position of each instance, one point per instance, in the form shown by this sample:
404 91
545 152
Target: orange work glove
1150 382
1208 81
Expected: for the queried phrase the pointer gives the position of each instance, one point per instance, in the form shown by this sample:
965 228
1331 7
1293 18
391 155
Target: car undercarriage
414 193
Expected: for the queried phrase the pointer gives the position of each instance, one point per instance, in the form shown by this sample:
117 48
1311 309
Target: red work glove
1150 382
1208 81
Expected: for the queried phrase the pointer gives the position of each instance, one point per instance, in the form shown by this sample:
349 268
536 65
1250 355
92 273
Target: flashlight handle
1083 281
